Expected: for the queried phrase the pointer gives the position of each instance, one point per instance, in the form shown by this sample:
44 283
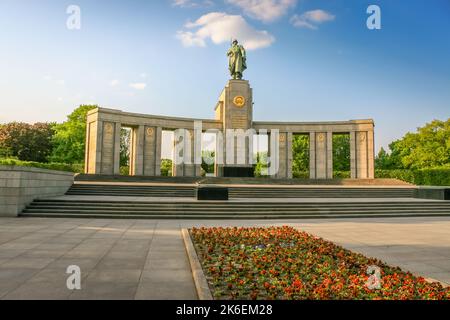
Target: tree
382 160
208 158
70 137
261 166
25 141
166 167
341 152
125 139
300 151
427 148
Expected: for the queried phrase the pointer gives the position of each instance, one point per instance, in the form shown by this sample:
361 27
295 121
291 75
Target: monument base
238 172
212 193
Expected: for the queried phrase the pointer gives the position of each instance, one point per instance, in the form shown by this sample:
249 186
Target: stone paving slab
142 259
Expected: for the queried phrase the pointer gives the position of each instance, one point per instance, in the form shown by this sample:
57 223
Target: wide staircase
239 192
188 209
252 199
117 190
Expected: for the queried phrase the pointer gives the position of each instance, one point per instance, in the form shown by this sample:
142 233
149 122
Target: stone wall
19 186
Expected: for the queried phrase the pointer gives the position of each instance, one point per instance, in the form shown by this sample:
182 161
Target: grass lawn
284 263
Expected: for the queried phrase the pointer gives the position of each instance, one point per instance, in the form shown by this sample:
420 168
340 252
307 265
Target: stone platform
146 259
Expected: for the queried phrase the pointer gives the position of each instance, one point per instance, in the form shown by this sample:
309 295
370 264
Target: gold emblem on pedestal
239 101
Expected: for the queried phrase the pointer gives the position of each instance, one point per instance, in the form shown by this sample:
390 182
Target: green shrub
300 174
166 167
341 174
76 168
424 177
124 170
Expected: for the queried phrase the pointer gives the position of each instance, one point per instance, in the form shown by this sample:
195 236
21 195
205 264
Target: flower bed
284 263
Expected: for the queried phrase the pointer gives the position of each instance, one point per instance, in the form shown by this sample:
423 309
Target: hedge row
76 168
423 177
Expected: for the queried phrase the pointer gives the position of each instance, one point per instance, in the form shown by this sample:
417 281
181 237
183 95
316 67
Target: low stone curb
201 284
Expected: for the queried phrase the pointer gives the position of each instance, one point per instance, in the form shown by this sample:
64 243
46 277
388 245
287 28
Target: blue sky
308 60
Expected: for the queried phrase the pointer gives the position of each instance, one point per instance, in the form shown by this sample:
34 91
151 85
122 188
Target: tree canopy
69 139
26 142
429 147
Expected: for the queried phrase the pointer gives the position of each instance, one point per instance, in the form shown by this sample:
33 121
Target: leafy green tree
26 142
300 153
208 158
166 167
70 137
125 140
261 164
382 160
341 152
429 147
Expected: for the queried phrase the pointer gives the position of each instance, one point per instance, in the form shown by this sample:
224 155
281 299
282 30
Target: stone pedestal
235 111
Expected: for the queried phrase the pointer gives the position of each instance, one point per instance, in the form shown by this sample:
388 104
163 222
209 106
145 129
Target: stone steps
233 210
238 181
241 192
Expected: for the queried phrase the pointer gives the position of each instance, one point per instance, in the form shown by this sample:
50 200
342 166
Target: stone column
290 156
353 155
190 168
152 151
282 156
94 138
98 147
197 152
102 147
117 131
371 154
361 157
321 155
107 149
158 143
285 156
220 154
184 154
312 155
329 155
137 151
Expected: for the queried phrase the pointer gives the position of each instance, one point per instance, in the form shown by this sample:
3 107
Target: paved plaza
145 259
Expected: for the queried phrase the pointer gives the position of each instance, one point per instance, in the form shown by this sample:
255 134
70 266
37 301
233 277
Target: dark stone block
435 193
238 172
212 193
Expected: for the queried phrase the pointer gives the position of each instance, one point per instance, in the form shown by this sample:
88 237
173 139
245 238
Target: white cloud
192 3
265 10
114 83
311 19
143 75
221 28
138 85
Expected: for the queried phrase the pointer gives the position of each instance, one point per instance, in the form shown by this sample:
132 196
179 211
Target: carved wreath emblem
282 138
321 137
108 128
150 132
239 101
362 136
